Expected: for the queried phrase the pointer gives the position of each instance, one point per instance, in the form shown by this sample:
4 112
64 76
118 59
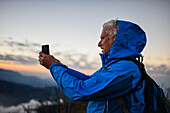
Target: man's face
106 41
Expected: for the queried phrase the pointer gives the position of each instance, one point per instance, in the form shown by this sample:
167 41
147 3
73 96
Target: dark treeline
62 104
15 94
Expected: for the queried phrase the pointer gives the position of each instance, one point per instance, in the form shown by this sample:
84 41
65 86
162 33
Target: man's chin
103 51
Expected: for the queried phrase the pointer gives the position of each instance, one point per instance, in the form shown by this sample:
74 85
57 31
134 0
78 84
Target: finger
42 54
39 59
39 56
41 62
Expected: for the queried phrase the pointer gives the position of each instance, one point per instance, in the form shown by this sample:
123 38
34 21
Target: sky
72 29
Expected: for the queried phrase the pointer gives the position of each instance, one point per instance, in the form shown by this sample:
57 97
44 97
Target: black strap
121 102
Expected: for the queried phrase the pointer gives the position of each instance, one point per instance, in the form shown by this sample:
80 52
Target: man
118 39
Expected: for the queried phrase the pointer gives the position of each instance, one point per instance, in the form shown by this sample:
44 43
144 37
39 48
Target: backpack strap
121 102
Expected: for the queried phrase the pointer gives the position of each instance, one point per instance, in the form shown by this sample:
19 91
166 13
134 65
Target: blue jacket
103 86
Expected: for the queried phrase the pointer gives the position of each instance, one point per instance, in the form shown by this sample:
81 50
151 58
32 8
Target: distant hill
14 94
15 77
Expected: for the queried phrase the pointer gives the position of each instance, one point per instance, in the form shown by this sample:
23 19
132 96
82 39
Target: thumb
42 54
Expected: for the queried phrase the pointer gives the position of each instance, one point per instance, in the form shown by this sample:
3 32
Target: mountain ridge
16 77
14 94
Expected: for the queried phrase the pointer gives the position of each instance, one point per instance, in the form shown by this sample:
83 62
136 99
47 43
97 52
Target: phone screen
45 49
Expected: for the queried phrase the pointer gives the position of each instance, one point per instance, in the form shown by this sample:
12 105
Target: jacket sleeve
115 81
77 74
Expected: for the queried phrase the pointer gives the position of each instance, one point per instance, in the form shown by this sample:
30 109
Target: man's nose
99 44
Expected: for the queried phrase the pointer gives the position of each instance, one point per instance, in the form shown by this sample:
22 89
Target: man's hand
47 60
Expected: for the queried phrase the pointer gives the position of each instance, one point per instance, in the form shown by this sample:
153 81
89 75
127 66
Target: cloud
19 108
160 74
78 60
158 70
20 52
9 46
11 43
32 104
19 59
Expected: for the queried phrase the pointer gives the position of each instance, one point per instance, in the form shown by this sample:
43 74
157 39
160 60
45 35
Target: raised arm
102 85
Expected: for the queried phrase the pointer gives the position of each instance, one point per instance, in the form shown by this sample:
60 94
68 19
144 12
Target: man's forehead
107 27
104 30
103 33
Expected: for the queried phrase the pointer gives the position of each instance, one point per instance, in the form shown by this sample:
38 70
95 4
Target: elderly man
118 39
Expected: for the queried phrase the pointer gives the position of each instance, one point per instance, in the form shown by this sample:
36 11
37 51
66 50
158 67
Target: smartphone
45 49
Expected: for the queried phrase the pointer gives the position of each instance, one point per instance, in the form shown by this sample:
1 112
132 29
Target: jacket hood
130 41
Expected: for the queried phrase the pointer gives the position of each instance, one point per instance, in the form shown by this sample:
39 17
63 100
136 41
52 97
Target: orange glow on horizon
21 67
35 68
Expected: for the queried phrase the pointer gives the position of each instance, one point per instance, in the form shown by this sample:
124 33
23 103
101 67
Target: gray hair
112 27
